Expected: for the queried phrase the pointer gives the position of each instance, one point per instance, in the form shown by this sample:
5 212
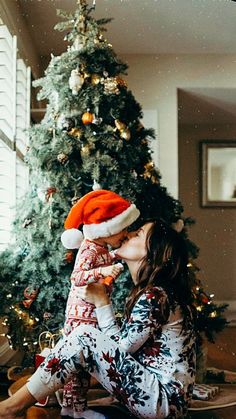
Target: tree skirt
225 398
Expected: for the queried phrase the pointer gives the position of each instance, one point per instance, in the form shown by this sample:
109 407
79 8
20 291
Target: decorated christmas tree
91 137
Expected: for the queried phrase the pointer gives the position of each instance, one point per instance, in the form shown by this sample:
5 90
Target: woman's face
134 248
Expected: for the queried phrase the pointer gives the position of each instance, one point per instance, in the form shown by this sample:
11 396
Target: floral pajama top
158 343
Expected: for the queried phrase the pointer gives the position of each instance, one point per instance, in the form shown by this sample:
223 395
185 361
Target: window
14 120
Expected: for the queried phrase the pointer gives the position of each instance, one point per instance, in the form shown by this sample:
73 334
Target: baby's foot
67 412
88 414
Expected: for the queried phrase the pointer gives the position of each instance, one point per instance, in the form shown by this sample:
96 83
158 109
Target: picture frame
218 173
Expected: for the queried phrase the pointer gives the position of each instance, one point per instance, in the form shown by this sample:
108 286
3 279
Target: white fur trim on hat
72 238
113 226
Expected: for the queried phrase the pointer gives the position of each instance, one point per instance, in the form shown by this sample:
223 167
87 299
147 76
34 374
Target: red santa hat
103 213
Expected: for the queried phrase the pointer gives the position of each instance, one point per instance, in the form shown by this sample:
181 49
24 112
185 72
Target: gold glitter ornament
110 86
121 82
85 150
95 79
62 158
75 132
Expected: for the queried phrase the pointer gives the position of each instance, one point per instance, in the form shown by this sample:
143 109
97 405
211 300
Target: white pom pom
72 238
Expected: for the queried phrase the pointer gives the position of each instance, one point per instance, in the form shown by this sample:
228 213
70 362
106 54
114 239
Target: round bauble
87 118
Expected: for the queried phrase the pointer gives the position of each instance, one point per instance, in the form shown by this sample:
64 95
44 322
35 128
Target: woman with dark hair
149 363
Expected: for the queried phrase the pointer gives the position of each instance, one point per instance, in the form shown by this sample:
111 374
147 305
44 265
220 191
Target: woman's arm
149 313
96 294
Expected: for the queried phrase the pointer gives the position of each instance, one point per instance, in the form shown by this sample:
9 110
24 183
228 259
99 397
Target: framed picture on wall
218 170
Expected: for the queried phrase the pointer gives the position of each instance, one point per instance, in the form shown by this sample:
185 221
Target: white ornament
75 81
96 186
77 46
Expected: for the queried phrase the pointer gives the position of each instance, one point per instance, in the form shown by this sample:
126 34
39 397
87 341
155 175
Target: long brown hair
165 266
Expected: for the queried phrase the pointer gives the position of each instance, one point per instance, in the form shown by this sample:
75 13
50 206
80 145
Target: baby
105 217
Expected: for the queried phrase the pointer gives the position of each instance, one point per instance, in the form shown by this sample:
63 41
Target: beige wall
154 81
215 228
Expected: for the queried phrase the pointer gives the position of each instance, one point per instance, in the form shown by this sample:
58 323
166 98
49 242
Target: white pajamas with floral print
148 365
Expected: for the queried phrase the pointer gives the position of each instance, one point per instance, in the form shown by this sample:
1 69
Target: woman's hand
94 294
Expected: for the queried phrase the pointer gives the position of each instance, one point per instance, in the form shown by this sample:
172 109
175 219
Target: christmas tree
91 137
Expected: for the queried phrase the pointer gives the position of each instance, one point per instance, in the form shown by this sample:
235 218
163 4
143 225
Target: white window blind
23 82
22 105
7 82
14 121
7 192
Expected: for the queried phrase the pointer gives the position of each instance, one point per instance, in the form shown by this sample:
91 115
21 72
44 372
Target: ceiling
143 26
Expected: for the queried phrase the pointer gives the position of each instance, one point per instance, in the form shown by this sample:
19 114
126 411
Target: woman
149 364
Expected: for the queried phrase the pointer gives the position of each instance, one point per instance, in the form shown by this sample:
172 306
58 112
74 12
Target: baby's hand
112 270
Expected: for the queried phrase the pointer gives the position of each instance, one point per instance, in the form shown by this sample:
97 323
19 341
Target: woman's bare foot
15 406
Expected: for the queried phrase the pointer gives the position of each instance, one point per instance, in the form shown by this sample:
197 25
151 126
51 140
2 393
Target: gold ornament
95 79
75 132
62 158
110 85
150 172
120 125
121 82
85 150
125 134
149 166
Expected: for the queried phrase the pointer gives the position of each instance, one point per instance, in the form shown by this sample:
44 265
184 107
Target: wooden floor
54 413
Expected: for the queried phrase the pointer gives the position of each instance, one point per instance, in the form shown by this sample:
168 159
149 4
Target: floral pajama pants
75 391
87 348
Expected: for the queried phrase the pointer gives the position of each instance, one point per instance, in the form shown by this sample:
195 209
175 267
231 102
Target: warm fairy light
25 344
31 322
212 295
213 314
37 319
199 308
197 288
209 302
189 265
35 343
9 295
